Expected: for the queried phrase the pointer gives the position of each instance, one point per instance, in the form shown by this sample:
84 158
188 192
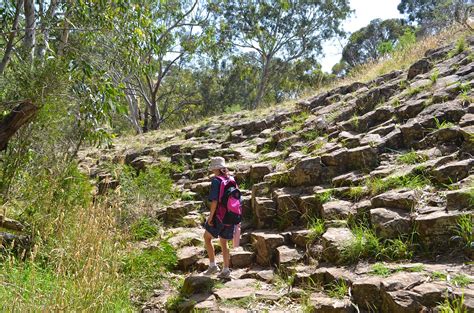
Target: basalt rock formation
387 162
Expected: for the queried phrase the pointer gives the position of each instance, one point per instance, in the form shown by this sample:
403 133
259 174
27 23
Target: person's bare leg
225 252
209 247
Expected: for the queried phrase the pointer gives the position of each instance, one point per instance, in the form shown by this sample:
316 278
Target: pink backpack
229 211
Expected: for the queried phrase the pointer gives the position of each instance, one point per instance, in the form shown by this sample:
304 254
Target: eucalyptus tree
154 41
284 29
434 15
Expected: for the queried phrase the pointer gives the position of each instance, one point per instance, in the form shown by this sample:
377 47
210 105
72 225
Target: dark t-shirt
214 192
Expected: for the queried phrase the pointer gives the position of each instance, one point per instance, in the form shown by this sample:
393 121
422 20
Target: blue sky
365 11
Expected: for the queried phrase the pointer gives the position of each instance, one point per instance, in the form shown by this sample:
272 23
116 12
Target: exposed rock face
394 155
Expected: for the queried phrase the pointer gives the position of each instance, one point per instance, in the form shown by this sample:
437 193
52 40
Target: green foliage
434 76
461 280
310 135
413 181
365 245
412 157
338 289
442 124
455 305
147 188
143 228
355 193
398 249
380 269
355 121
463 231
459 47
324 196
145 268
316 228
439 275
297 122
373 41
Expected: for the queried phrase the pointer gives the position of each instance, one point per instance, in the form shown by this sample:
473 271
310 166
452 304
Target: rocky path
359 199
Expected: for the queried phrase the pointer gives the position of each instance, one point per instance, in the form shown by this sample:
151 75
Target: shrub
463 231
455 305
143 228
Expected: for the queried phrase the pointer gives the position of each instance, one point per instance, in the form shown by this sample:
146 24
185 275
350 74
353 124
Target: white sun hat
217 163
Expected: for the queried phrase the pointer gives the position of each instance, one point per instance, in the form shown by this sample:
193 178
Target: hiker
221 186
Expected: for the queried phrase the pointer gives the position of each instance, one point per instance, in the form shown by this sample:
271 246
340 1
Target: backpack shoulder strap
222 185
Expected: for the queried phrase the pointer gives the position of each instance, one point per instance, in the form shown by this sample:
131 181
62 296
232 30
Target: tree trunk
262 85
65 34
11 37
30 25
155 118
45 24
134 114
19 116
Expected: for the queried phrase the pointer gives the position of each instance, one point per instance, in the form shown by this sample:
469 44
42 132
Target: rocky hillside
357 199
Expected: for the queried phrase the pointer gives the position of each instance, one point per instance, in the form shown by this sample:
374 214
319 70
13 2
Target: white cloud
365 11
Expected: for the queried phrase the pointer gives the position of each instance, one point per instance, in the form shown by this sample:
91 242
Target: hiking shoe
211 270
225 273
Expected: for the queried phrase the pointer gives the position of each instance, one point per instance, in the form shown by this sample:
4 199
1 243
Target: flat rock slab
322 303
337 210
286 255
399 199
242 288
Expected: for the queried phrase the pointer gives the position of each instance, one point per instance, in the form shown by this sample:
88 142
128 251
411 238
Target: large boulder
419 67
337 210
366 293
264 212
453 172
188 256
390 223
240 258
258 171
197 284
286 256
436 228
265 244
399 199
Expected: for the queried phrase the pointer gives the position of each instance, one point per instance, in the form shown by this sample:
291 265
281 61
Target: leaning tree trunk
19 116
11 37
30 25
263 82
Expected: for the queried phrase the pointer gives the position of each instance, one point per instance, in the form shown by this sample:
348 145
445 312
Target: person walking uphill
224 200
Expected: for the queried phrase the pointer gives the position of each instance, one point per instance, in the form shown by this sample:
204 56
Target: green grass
365 245
378 185
355 193
338 289
297 122
434 76
436 275
442 124
143 228
380 269
463 231
459 47
144 268
355 121
316 228
310 135
455 305
461 280
397 249
324 196
412 157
